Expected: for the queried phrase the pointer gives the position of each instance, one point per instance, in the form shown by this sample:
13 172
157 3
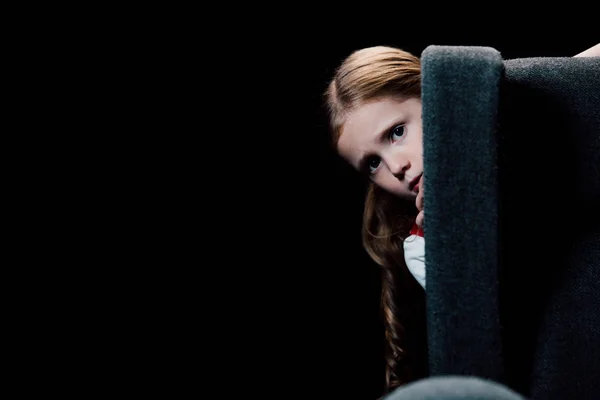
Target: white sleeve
414 255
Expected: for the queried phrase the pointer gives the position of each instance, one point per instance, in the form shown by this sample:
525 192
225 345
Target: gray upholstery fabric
454 388
550 202
460 90
512 167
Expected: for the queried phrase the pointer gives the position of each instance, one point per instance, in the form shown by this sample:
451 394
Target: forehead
367 121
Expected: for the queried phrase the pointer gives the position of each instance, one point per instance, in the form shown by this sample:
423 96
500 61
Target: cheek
390 184
416 143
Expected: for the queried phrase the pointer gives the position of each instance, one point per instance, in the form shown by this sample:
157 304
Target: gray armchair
512 167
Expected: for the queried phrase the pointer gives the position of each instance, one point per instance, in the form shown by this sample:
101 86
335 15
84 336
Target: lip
412 183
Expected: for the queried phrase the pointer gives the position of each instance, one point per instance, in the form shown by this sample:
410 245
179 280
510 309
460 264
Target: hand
593 51
420 203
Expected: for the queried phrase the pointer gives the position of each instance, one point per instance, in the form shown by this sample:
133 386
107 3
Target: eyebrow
384 133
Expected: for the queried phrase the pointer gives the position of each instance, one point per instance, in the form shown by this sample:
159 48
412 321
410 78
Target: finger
420 219
420 201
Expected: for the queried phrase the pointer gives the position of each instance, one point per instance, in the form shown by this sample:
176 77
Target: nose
397 164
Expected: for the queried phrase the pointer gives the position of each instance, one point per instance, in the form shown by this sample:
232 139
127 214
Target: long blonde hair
366 75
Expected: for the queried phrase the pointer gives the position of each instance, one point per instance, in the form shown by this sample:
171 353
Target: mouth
415 183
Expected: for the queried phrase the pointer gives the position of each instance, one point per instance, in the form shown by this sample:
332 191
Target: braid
385 223
394 331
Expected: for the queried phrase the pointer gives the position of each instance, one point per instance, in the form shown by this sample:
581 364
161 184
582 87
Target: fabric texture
549 279
460 95
512 160
454 388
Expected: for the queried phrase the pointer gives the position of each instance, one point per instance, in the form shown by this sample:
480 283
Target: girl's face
383 139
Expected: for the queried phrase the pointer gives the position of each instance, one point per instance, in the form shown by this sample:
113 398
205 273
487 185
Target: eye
397 133
372 164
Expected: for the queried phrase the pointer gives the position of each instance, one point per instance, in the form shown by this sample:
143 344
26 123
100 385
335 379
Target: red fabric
416 230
